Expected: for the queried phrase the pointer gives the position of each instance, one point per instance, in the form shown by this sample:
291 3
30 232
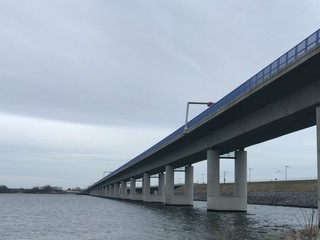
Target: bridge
282 98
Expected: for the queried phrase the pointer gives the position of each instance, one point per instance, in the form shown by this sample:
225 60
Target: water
53 217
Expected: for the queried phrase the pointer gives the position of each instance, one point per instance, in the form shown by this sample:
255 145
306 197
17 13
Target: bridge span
282 98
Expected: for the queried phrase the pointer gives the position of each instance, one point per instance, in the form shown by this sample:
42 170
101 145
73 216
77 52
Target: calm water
55 217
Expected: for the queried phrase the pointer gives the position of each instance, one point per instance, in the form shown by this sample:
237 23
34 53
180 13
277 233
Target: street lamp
250 169
286 171
209 104
224 176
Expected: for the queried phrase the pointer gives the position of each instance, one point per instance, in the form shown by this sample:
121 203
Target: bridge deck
295 70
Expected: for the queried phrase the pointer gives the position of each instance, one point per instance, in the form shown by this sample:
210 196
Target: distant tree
33 190
4 189
44 189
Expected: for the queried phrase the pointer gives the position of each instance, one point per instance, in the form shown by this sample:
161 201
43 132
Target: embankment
301 193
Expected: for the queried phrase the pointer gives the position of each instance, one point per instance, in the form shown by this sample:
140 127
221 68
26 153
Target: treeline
5 189
44 189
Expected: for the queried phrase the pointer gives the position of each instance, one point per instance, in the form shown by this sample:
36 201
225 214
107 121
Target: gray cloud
123 63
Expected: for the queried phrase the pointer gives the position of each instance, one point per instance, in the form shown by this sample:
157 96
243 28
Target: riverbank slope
298 193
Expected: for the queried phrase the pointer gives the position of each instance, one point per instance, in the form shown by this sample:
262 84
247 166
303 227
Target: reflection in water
82 217
261 222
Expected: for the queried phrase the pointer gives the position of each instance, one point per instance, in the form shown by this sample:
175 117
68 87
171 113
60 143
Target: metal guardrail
293 54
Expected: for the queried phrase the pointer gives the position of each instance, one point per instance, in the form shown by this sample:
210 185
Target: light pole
250 169
224 176
286 171
209 104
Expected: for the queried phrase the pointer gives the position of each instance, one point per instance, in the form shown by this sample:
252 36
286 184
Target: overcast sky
88 85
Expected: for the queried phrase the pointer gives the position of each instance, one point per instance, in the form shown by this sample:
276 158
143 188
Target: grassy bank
274 186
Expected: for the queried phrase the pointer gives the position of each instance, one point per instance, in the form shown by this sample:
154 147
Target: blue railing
273 68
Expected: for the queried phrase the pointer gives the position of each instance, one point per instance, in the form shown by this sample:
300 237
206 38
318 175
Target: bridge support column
155 196
213 176
169 184
146 187
104 191
241 179
111 190
162 183
318 158
215 202
183 200
133 191
107 191
116 190
123 190
188 188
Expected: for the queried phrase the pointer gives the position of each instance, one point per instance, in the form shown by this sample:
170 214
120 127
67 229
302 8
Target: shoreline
298 193
283 199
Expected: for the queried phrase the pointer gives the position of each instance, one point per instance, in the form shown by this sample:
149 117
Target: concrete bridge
282 98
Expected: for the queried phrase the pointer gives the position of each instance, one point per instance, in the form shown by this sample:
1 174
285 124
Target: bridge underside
286 103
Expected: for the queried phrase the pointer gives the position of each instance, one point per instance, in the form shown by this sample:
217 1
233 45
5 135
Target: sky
88 85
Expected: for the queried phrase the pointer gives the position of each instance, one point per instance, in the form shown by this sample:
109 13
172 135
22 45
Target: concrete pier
213 175
162 185
123 190
241 179
111 190
215 202
133 191
158 196
169 193
146 187
183 200
116 193
106 194
189 184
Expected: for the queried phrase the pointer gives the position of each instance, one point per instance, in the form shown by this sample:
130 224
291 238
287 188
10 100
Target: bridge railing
293 54
273 68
